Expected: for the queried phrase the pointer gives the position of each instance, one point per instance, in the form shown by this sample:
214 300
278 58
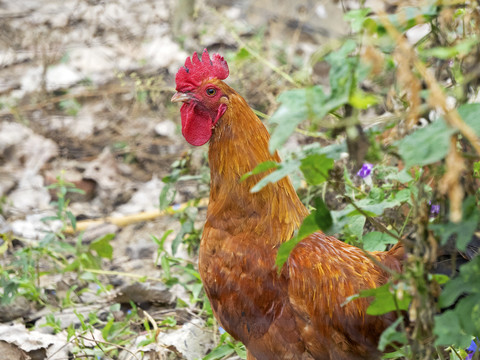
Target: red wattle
196 124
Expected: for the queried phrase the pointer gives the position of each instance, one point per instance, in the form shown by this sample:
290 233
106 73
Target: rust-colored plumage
297 314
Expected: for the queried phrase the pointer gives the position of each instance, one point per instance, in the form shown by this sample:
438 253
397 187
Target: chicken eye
211 91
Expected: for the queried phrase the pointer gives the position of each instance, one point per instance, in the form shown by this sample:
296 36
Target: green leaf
167 195
448 330
165 266
102 246
73 219
107 329
362 100
468 312
443 52
441 279
76 190
283 170
220 352
315 168
391 335
70 106
426 145
431 143
319 219
356 18
322 215
308 227
408 17
296 106
375 206
463 230
260 168
242 54
385 300
377 241
466 283
49 218
461 323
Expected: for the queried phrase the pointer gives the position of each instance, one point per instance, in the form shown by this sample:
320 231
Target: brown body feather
297 314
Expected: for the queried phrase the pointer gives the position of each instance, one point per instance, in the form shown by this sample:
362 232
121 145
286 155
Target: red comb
196 70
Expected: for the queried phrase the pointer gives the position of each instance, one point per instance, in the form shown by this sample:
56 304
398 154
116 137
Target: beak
181 97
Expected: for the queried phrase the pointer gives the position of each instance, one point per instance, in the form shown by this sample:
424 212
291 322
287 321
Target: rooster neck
240 143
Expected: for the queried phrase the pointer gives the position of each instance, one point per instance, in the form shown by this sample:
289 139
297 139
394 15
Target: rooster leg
250 356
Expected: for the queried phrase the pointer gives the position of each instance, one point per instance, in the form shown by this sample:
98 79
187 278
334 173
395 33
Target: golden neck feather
239 143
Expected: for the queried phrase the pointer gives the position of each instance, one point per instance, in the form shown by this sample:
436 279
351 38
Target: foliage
54 254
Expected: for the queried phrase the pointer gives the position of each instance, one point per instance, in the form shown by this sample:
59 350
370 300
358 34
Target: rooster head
204 102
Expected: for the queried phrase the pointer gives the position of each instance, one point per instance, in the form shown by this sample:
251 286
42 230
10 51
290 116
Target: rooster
298 313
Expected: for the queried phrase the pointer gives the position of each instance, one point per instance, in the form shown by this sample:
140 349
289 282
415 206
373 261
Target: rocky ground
84 95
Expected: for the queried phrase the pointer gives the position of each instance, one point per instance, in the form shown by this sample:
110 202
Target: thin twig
135 218
120 273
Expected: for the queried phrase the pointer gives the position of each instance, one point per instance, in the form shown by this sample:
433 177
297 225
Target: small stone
166 128
62 76
145 293
142 249
18 308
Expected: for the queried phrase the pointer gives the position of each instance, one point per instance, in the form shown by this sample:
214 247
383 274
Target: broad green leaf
354 226
385 300
296 106
431 143
377 241
463 230
102 246
466 283
402 176
315 168
311 103
448 330
426 145
341 75
323 218
375 207
468 311
341 220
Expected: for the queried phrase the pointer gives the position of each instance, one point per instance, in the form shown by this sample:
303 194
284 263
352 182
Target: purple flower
434 210
471 350
365 170
221 330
